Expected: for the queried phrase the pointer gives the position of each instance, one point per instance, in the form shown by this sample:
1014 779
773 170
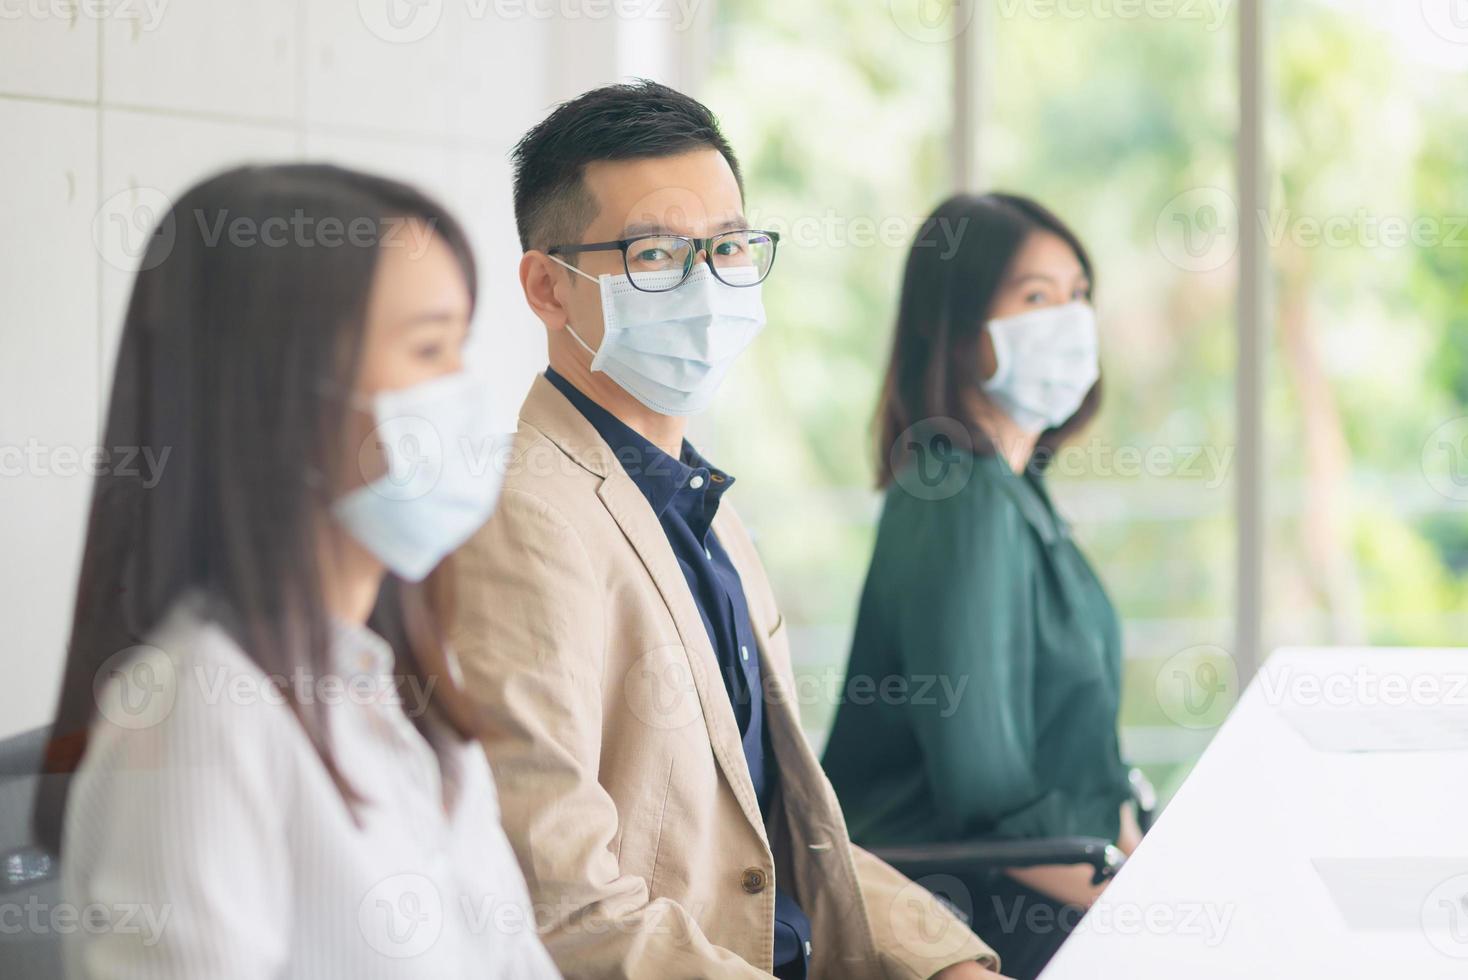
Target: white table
1278 858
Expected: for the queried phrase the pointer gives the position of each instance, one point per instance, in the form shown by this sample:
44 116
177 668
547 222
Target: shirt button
696 482
753 880
744 652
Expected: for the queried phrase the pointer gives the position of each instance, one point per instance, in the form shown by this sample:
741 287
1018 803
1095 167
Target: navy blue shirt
684 494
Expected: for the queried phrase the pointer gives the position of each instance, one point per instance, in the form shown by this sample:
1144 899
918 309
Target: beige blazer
622 781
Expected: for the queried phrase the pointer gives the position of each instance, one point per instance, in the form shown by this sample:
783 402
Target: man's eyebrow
643 228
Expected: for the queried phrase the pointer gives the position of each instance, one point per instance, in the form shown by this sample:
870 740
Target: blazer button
753 880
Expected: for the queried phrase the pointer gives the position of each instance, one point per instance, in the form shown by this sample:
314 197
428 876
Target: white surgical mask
671 350
1046 361
443 474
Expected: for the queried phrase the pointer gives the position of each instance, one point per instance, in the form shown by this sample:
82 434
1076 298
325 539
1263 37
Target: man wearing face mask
614 618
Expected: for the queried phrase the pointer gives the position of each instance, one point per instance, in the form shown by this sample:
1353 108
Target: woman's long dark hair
954 270
244 330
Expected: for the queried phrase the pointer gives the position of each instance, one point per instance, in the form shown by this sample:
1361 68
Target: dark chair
1145 797
952 869
28 875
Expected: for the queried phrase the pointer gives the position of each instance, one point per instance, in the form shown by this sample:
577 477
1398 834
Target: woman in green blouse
983 686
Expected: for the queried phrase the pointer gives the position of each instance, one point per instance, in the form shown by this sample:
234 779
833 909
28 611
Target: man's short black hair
615 122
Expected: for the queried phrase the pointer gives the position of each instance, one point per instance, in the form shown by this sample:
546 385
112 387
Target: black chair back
30 942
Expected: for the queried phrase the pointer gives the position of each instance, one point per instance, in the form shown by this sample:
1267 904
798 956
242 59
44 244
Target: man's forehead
689 194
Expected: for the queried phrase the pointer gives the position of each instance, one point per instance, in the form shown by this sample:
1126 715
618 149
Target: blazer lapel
787 738
548 410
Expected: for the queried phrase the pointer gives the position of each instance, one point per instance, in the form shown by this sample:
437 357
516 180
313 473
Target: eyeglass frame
698 245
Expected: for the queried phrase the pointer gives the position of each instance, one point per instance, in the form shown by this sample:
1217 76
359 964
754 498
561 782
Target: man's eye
429 352
730 248
1036 298
652 255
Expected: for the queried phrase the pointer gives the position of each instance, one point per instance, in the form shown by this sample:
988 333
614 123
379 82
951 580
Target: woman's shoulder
209 659
185 724
933 543
189 687
194 633
965 493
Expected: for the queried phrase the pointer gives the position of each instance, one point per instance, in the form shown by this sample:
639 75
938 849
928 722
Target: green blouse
985 676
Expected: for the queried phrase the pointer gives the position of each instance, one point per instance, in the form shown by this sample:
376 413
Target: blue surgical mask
671 350
1046 362
444 468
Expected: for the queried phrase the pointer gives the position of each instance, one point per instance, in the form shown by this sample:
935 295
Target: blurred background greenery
1126 127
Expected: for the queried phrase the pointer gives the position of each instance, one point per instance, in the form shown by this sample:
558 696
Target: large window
1368 381
842 123
1127 119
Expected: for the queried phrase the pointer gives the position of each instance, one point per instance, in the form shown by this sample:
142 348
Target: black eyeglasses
658 263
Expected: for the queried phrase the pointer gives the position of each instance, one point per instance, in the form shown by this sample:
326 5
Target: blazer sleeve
916 935
530 635
965 628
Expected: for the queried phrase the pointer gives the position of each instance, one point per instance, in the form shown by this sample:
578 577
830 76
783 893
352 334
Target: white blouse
204 837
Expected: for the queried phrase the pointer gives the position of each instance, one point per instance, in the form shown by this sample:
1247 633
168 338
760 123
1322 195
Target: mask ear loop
570 329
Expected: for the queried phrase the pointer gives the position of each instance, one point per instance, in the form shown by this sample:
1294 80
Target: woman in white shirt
265 784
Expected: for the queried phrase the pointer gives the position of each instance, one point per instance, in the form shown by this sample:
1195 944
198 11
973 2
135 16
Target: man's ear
539 278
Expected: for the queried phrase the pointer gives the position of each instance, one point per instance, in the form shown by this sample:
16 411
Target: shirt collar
657 475
353 648
356 649
1028 492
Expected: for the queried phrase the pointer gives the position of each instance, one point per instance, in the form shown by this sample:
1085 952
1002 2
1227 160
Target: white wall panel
224 59
168 91
47 50
366 73
48 384
147 161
